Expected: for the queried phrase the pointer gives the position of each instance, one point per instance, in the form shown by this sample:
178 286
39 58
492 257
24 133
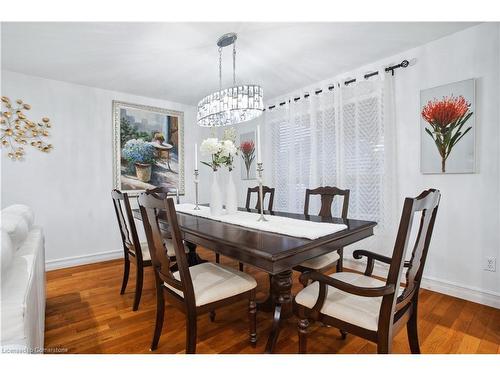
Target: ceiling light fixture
232 105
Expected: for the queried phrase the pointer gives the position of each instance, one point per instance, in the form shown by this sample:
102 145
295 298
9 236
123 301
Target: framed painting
248 154
148 148
448 127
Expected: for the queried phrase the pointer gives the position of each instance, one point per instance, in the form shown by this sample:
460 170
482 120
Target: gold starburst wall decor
17 130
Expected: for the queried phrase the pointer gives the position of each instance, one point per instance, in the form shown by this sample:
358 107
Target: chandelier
232 105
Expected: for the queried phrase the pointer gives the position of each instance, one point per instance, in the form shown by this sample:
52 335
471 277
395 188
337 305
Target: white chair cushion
214 282
322 261
7 251
357 310
23 210
16 227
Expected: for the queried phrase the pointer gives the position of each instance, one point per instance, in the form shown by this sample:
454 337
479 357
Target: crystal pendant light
232 105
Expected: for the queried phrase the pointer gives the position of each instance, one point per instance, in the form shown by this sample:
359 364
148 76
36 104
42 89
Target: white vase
215 196
231 198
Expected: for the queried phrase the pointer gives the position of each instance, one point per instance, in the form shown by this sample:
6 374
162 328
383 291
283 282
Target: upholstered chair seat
213 282
360 311
322 261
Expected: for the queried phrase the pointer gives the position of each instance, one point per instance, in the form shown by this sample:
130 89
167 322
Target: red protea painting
247 153
446 118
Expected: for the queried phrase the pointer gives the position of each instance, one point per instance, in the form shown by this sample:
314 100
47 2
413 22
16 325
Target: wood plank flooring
86 314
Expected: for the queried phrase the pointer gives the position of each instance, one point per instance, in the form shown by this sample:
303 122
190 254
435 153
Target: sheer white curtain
346 138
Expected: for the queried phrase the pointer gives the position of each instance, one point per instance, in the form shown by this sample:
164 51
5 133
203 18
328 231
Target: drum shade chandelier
232 105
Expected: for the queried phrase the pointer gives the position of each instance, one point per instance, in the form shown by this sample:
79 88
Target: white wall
69 188
468 222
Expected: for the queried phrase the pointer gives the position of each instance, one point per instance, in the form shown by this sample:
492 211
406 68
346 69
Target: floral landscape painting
148 147
448 127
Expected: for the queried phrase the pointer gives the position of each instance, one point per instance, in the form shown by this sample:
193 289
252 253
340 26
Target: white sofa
22 298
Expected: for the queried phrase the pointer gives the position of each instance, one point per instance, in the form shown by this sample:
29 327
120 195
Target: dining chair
132 247
325 261
265 190
366 306
195 290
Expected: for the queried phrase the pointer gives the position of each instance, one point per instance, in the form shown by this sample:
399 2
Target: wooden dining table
273 253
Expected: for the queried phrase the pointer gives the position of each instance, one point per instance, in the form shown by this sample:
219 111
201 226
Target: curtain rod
402 64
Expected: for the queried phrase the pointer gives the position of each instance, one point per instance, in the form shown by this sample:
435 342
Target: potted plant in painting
141 154
248 154
446 118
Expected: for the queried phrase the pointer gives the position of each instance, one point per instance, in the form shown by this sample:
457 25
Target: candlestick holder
260 169
196 207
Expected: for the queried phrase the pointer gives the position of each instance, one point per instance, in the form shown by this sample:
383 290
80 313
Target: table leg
279 301
192 256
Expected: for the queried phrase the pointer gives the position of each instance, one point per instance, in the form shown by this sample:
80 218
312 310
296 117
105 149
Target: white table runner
276 224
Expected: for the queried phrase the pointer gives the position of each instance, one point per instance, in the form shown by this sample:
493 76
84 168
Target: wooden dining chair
325 261
265 190
195 290
366 306
133 249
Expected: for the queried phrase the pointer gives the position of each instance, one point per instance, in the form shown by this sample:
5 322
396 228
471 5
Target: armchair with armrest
368 307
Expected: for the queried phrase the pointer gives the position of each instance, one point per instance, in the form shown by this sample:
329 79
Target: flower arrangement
138 151
446 117
221 152
248 154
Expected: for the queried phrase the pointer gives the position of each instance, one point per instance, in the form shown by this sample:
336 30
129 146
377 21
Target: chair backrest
163 192
149 206
265 190
327 194
426 206
128 230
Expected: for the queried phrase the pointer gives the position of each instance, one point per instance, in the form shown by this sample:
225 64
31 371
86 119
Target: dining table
273 253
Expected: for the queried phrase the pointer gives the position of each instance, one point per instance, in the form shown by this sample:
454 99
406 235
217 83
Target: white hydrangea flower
228 148
210 146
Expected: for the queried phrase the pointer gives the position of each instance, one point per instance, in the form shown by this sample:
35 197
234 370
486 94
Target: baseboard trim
483 297
79 260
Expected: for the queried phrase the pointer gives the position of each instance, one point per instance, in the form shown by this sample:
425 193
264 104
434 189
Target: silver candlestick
260 169
196 188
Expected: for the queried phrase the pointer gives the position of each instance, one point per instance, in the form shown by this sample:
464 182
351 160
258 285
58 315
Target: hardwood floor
86 314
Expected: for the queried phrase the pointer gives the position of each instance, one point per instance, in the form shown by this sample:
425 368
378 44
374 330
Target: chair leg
340 262
303 325
191 326
138 287
212 316
241 267
384 345
304 284
126 271
343 334
217 258
252 318
160 314
411 328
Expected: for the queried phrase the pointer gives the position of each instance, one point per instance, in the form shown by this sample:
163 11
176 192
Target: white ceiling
178 61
